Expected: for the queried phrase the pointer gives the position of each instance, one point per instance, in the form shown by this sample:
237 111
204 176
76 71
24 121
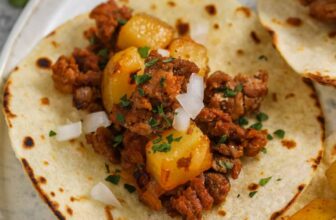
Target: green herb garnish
124 101
225 164
18 3
279 133
52 133
242 121
114 179
239 88
103 53
153 122
223 139
160 146
258 126
141 91
143 52
263 57
162 81
122 21
251 194
92 40
264 150
159 110
120 118
269 137
117 140
262 117
264 181
168 60
151 62
129 188
141 79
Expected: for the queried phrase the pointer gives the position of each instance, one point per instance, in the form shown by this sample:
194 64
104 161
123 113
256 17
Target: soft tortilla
71 169
307 48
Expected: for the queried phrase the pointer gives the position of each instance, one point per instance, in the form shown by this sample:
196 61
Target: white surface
17 198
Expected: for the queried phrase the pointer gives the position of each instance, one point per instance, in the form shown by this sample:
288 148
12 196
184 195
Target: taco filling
178 132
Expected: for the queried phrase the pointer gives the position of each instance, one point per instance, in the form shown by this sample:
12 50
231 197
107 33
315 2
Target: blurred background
9 11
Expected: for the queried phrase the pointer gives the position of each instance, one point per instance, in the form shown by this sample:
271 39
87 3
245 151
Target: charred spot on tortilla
290 95
55 44
240 52
332 34
108 212
16 69
61 190
42 180
69 210
51 33
294 21
274 97
28 142
42 137
216 26
316 161
183 28
255 37
221 212
52 194
289 144
252 186
43 63
153 7
324 80
46 163
6 100
184 162
52 204
211 10
171 3
45 101
279 213
245 10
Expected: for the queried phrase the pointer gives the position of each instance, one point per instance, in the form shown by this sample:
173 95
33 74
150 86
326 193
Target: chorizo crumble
150 110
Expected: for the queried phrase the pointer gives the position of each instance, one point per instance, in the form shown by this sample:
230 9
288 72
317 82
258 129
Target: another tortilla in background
309 47
65 172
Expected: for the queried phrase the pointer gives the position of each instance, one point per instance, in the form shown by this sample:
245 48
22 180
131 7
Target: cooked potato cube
318 209
186 48
331 176
117 76
144 30
184 157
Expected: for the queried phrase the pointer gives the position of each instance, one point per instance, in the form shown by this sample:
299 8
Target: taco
110 118
304 33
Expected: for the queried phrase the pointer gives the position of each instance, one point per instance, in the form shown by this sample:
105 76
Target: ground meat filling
153 103
323 10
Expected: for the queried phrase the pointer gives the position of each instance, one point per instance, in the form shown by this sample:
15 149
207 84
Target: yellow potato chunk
318 209
187 49
117 76
187 156
144 30
331 176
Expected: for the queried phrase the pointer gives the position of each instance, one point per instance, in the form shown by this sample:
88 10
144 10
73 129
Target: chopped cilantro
238 195
143 52
151 62
124 101
263 57
258 126
242 121
159 110
164 147
141 79
171 139
264 181
264 150
153 123
262 117
160 146
229 92
223 139
168 60
162 81
269 137
18 3
279 133
117 140
251 194
103 53
225 164
141 91
120 118
239 88
114 179
129 188
122 21
52 133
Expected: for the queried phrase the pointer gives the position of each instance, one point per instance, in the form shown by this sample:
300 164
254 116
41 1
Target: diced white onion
95 120
199 32
196 86
69 131
181 120
102 193
191 104
163 52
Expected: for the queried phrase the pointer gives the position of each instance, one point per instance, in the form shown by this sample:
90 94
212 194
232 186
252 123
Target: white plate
18 200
